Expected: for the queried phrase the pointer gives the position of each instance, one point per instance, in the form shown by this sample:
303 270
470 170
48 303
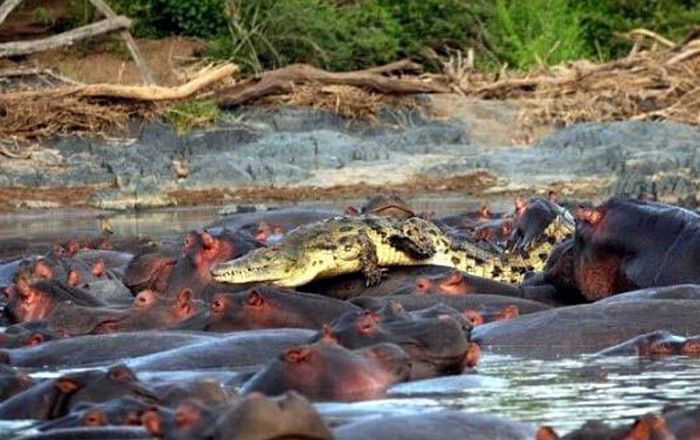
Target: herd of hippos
231 333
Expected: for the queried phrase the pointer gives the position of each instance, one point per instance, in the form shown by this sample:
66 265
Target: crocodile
368 244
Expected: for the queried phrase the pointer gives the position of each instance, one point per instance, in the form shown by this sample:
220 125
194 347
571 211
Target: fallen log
65 39
6 7
283 80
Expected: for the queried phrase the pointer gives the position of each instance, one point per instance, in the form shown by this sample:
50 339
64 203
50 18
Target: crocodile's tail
510 266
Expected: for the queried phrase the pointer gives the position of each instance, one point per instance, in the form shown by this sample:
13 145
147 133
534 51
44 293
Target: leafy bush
533 32
438 24
269 33
601 19
158 18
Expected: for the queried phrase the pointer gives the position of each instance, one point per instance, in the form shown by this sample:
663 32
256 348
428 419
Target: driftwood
284 80
6 7
64 39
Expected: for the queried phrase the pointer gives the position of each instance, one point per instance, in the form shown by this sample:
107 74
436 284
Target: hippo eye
121 374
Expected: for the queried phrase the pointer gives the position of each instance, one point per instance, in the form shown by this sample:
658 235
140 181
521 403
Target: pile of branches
658 80
74 108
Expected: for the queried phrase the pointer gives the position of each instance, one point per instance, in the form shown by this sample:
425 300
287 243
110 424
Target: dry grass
346 101
651 83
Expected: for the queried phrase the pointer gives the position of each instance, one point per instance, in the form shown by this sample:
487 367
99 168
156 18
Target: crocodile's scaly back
351 244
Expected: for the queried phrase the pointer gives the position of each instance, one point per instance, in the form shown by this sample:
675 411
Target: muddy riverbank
454 144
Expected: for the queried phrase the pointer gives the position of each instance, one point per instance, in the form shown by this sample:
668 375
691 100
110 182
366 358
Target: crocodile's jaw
260 265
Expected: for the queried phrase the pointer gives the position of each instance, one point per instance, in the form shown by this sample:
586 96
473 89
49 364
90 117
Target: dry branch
140 61
6 7
65 39
282 81
156 93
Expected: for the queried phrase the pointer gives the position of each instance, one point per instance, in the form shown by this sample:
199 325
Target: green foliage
601 19
193 114
158 18
268 33
43 15
354 34
534 32
438 24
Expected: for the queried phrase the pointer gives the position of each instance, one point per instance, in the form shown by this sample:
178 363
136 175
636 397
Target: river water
562 393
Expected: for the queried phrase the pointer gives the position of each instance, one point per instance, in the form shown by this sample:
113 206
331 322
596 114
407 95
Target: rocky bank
465 145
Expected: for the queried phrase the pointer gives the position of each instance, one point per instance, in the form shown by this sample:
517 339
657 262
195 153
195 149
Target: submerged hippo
587 328
658 343
328 371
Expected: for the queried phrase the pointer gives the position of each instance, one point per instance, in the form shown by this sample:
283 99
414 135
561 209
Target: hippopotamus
36 301
396 280
80 351
436 345
150 270
468 220
646 427
626 244
586 328
240 351
18 335
150 310
12 382
680 291
658 343
485 315
327 371
285 218
457 282
457 302
384 205
255 417
122 411
437 425
200 252
269 307
54 398
93 433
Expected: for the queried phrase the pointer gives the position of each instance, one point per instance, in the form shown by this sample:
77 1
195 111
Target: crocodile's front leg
416 238
369 260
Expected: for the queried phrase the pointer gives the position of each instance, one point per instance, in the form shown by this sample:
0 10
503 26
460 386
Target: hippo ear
509 312
73 277
484 213
153 423
35 339
98 269
327 335
121 373
351 211
66 385
471 358
255 298
520 206
297 355
589 215
454 278
184 298
43 269
187 414
640 431
546 433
